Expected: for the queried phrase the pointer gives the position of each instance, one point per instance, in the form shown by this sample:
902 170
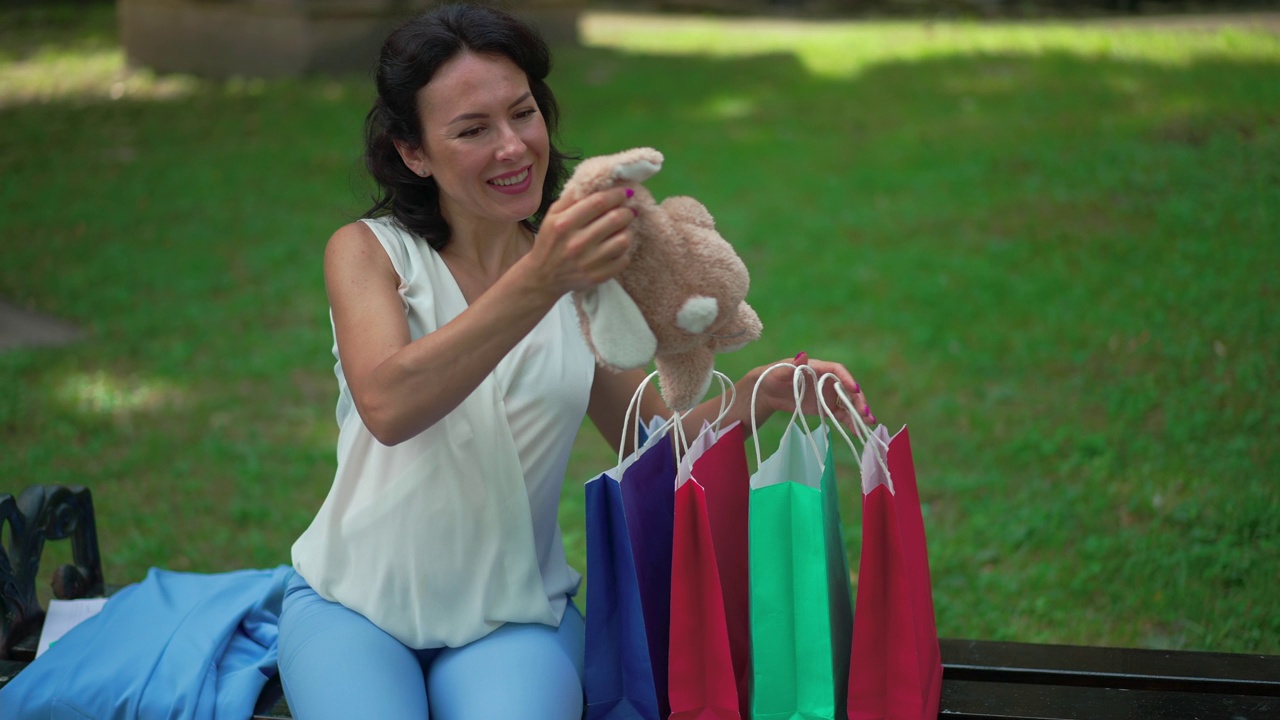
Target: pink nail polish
856 389
801 357
630 192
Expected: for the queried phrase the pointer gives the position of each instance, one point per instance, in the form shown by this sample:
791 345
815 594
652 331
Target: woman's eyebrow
481 116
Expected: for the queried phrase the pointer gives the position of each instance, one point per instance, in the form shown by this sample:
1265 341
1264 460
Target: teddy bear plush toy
682 297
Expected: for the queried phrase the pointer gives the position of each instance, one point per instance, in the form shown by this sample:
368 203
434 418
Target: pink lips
516 188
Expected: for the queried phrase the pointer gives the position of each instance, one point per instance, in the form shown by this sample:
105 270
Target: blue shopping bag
621 680
618 680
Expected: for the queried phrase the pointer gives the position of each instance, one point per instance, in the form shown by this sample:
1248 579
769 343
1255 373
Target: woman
433 579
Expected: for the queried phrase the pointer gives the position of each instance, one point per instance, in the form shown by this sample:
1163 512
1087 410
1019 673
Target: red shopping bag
895 665
723 471
703 684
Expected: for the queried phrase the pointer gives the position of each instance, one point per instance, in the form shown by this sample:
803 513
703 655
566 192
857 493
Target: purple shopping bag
648 501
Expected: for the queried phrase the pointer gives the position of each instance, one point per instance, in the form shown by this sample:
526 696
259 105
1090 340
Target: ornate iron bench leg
40 513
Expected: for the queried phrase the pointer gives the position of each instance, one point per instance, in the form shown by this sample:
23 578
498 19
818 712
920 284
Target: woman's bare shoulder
353 239
355 248
356 233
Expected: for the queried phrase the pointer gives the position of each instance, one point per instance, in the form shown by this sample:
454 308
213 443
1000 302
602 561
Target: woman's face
484 140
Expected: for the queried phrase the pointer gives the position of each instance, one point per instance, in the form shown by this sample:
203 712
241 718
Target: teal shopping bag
801 614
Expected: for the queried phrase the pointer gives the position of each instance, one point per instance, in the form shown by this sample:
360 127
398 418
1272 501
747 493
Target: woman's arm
401 387
611 393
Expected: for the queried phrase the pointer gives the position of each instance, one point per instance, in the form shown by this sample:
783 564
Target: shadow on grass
1057 269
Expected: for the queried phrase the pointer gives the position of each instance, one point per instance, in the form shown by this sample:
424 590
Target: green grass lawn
1053 251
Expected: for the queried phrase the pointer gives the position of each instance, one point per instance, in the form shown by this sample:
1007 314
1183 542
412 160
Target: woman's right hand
584 243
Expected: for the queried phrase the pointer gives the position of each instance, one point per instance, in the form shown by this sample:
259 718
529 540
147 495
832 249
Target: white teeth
512 180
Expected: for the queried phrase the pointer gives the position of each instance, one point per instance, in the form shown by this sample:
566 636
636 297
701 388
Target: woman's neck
482 253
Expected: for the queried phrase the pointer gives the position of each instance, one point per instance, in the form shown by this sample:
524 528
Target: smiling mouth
513 180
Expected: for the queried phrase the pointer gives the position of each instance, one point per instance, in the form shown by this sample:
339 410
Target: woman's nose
510 146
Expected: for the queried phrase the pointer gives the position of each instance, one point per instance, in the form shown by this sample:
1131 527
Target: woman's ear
414 158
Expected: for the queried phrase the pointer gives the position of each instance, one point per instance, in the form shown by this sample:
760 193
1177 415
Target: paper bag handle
727 389
797 389
869 439
633 407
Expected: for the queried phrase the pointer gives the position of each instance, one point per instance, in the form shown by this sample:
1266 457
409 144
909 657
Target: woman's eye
525 114
470 132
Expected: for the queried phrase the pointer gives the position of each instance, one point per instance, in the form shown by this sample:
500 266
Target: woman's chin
528 206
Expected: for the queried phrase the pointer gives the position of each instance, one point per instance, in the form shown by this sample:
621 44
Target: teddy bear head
681 298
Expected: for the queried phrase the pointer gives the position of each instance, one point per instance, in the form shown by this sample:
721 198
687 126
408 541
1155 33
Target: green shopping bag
839 585
801 612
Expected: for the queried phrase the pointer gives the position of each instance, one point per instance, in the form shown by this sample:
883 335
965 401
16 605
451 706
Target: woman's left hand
777 394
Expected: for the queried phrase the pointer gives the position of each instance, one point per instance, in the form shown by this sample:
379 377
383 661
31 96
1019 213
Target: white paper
64 615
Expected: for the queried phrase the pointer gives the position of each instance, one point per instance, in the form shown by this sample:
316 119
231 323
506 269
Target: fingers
567 214
846 380
612 257
610 235
588 241
610 224
779 391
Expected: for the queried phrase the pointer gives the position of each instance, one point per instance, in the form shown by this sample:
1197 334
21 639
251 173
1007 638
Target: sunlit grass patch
104 394
70 52
84 75
846 48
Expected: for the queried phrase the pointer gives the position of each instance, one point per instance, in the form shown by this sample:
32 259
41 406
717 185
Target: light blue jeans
334 663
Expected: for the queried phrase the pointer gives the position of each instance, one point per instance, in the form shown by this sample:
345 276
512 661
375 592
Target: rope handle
869 439
727 389
634 407
713 428
798 390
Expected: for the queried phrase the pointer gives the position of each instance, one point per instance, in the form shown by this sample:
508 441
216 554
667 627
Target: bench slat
968 700
1126 668
9 668
271 704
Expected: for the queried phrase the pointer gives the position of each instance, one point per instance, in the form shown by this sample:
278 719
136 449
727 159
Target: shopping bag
722 471
649 506
839 586
619 681
895 665
703 684
792 608
618 678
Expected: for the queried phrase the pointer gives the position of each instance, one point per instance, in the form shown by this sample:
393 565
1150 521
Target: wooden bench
981 679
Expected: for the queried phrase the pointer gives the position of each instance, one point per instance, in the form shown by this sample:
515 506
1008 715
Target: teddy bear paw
637 171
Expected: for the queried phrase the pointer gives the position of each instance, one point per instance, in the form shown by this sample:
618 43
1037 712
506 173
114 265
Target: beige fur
676 256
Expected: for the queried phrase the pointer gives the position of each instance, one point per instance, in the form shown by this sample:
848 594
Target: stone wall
283 38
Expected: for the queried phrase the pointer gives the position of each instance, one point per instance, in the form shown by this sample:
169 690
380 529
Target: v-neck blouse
443 538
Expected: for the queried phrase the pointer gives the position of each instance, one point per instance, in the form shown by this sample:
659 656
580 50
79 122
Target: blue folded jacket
176 645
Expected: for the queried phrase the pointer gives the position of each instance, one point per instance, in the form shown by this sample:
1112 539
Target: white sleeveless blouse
443 538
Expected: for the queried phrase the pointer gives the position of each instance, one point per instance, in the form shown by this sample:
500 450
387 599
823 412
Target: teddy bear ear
617 330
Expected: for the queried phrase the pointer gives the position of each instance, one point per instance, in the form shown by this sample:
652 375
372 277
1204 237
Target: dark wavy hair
409 59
